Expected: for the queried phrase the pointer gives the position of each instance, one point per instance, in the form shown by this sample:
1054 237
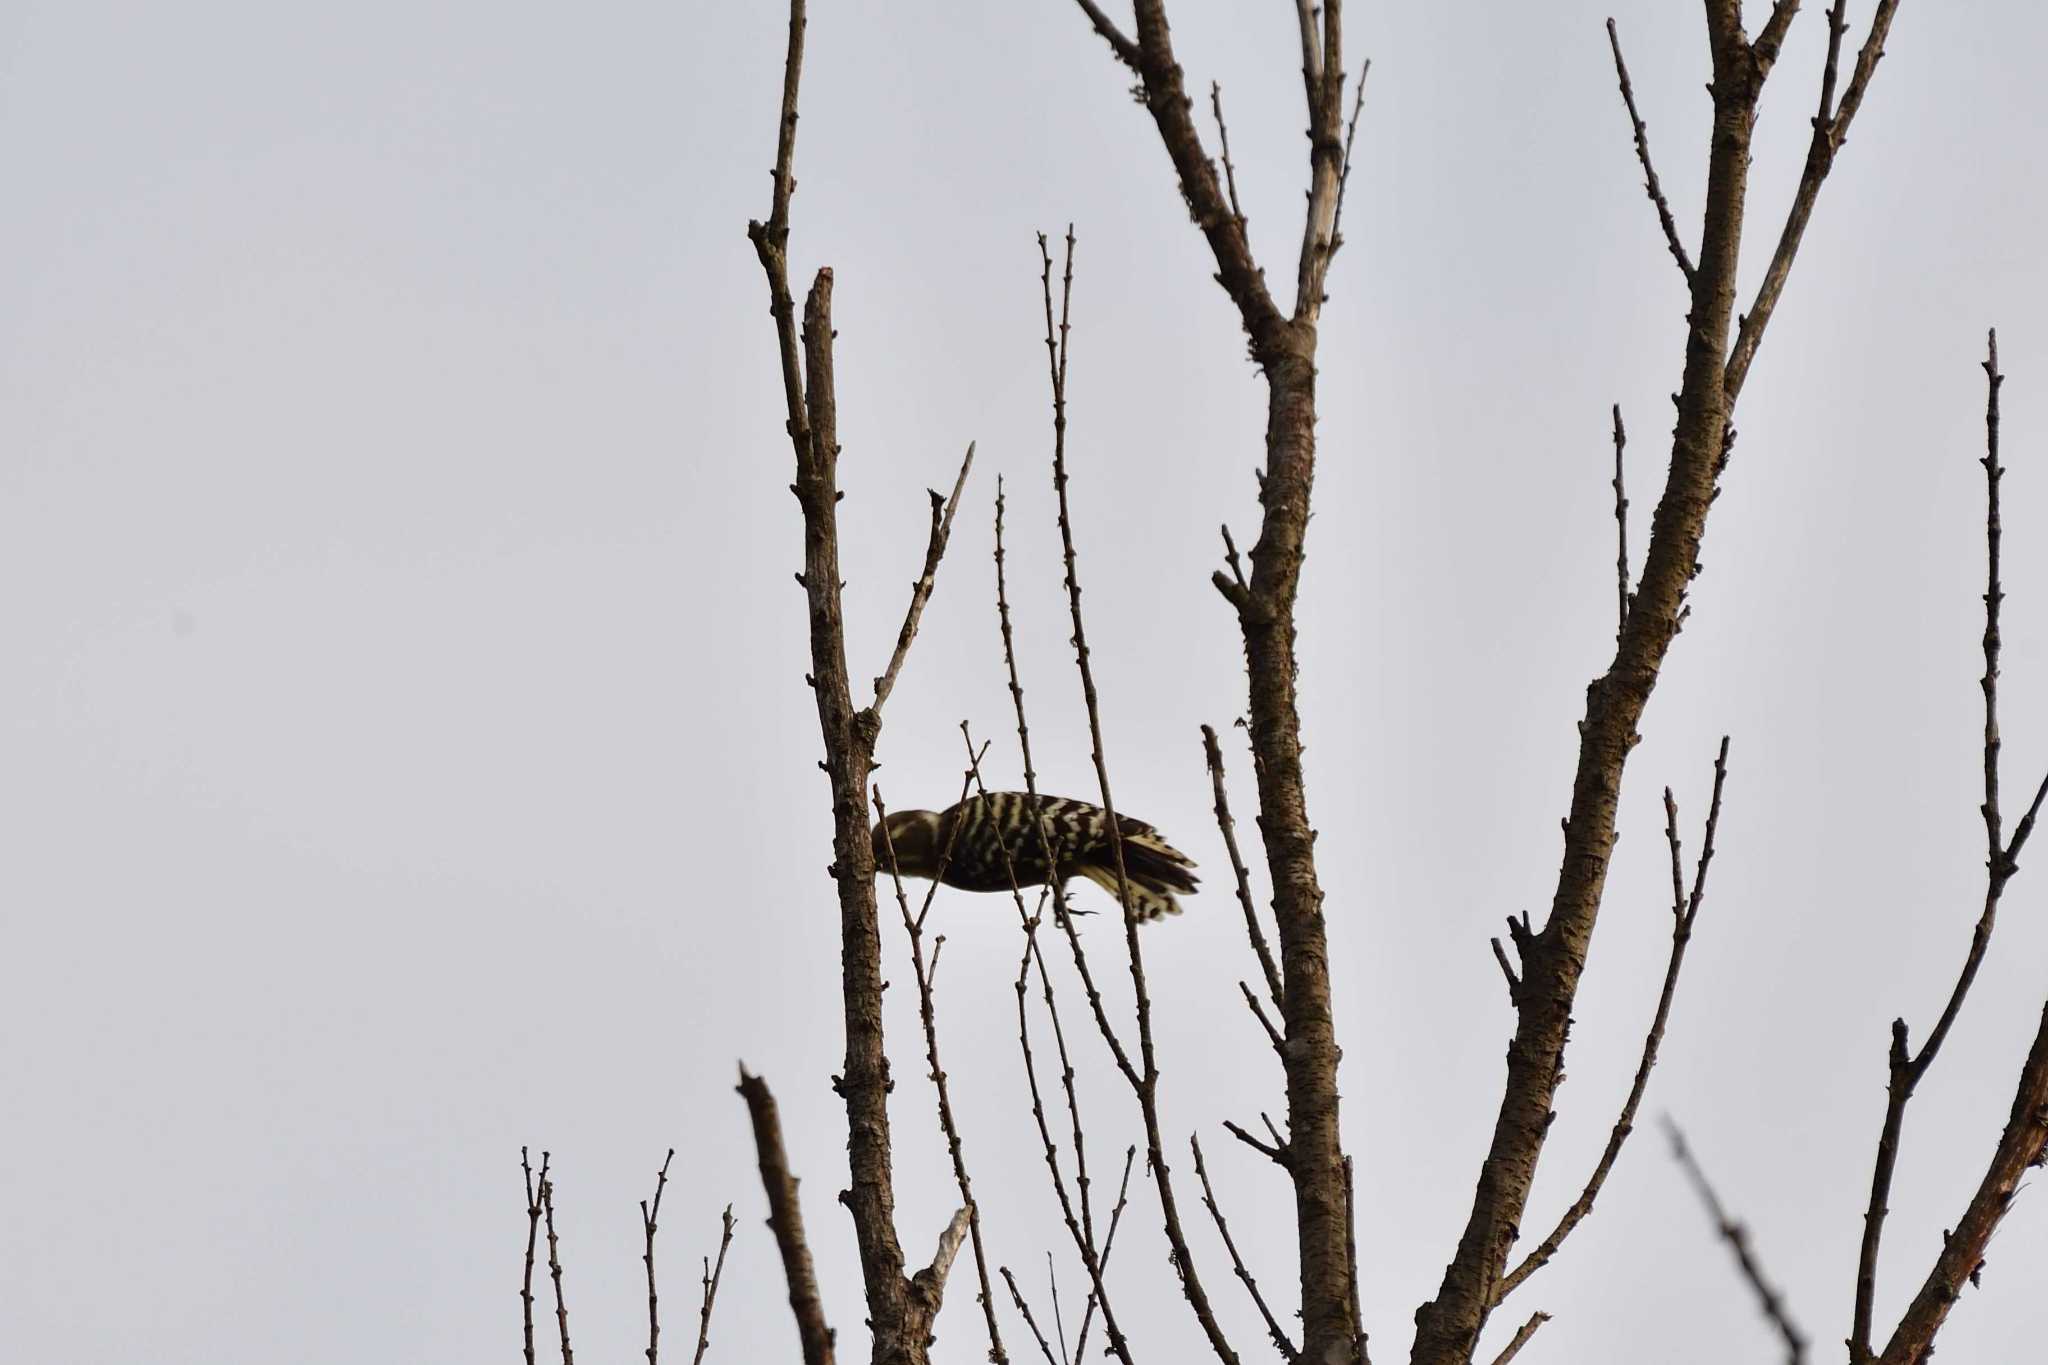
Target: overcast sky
404 751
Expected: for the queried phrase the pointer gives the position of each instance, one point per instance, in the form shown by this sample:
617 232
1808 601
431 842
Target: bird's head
914 835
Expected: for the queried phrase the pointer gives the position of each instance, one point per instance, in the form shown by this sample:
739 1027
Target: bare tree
1292 1002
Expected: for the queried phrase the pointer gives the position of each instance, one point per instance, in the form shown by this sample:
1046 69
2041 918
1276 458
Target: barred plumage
980 829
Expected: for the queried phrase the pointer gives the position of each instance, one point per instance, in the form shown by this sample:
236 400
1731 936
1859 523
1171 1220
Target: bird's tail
1155 870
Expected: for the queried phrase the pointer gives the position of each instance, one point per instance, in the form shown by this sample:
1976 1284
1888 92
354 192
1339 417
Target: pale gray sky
404 752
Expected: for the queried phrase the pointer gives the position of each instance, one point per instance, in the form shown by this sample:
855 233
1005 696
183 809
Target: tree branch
900 1309
1147 1087
1685 911
1213 754
1017 1297
1273 1329
1152 58
712 1275
921 590
1908 1068
1116 1218
533 1214
649 1214
1830 131
2021 1147
913 928
1621 587
547 1203
1737 1237
786 1221
1521 1338
1223 137
1449 1325
1650 184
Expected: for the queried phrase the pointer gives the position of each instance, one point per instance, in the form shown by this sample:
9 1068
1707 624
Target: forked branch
1685 910
1908 1068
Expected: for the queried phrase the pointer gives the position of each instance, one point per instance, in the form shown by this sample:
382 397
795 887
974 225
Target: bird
979 830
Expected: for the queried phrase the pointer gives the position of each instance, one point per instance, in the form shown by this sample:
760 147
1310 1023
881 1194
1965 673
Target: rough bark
900 1308
1448 1327
1285 349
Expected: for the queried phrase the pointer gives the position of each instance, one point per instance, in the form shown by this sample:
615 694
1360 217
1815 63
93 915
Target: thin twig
1116 1217
1082 1229
1017 1297
1259 1013
1150 56
921 591
1642 136
649 1216
1061 915
1521 1338
1147 1089
1344 174
1621 584
786 1221
1213 754
1737 1237
533 1213
1907 1068
712 1275
1052 1279
1286 1348
1507 969
1685 909
547 1203
1223 136
1275 1152
913 928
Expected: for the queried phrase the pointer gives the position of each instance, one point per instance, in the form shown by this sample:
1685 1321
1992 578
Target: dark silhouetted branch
1650 184
786 1221
649 1216
1685 910
1344 172
1213 754
1768 1299
1116 1218
921 590
1830 131
713 1273
1280 1342
1024 1308
1621 586
1146 1086
1223 137
547 1203
2001 858
533 1215
913 928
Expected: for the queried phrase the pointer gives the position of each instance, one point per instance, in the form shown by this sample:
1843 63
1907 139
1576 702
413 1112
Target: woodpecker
980 828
